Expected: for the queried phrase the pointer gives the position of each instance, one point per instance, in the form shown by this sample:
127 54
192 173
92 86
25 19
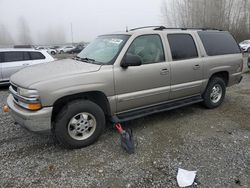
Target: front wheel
215 93
79 124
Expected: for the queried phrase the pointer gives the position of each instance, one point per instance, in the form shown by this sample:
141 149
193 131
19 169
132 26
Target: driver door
147 84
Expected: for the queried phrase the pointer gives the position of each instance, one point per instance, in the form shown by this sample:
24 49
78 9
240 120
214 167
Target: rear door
186 66
14 61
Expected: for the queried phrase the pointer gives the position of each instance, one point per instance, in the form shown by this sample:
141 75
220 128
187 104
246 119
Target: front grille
14 87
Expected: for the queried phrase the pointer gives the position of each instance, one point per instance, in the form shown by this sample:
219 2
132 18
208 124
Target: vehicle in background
124 76
15 59
65 49
49 50
245 46
76 50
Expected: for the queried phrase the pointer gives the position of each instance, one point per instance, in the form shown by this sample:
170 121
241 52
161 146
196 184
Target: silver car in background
13 60
245 46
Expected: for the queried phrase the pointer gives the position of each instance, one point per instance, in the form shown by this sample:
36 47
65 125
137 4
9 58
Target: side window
182 46
149 48
36 55
218 43
26 56
13 56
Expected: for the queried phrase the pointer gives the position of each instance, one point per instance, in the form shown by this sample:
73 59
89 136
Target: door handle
164 71
26 64
196 67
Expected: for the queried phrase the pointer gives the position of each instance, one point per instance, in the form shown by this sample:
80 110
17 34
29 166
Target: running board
135 114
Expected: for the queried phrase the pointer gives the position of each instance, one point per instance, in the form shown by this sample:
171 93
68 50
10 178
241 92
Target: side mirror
131 60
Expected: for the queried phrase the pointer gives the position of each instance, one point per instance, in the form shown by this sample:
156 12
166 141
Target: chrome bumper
35 121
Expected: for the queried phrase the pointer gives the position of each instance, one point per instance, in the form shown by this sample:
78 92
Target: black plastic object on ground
127 141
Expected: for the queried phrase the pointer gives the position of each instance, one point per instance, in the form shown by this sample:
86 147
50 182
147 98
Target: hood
52 70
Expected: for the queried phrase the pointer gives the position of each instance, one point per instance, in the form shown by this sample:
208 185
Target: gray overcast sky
89 17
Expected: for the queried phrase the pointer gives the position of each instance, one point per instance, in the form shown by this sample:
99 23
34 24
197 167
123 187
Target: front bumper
35 121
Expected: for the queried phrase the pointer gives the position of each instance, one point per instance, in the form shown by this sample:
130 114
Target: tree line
230 15
24 36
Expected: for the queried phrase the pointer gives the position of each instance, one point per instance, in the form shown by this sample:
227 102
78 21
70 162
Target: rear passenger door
186 66
13 61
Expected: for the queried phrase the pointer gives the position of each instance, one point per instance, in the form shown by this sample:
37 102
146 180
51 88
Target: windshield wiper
87 59
84 59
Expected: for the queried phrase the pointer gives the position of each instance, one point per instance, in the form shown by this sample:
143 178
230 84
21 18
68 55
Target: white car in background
245 46
65 49
49 50
14 59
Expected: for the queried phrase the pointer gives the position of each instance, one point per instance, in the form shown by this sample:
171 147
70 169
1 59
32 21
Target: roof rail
145 27
186 28
160 28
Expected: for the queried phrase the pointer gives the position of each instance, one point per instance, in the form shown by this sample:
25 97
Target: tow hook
127 140
6 109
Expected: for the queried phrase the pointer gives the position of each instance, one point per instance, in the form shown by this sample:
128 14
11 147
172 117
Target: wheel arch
97 97
221 74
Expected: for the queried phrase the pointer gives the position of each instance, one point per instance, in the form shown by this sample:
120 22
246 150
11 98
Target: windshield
104 49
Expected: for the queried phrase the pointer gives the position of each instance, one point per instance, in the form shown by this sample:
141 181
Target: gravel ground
216 143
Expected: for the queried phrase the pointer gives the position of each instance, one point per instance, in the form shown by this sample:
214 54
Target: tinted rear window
182 46
218 43
36 55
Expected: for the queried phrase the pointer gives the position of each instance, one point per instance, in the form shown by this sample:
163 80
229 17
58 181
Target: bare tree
5 36
53 35
232 15
24 32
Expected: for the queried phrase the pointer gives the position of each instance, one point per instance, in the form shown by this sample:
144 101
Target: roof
18 49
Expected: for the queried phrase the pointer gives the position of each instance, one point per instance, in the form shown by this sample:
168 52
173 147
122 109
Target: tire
53 53
71 118
61 52
210 100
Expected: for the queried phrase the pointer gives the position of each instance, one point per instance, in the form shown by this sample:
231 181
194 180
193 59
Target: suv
13 60
123 76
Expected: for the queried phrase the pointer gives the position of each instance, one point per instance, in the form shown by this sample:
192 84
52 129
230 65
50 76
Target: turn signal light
34 106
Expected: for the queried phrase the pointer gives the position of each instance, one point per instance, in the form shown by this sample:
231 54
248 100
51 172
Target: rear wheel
79 124
215 93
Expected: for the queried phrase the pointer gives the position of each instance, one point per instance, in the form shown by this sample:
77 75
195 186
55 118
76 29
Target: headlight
27 92
26 98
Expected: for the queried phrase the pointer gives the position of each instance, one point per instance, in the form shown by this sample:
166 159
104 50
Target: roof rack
160 28
145 27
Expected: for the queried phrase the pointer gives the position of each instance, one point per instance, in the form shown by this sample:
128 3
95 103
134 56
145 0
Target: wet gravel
216 143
